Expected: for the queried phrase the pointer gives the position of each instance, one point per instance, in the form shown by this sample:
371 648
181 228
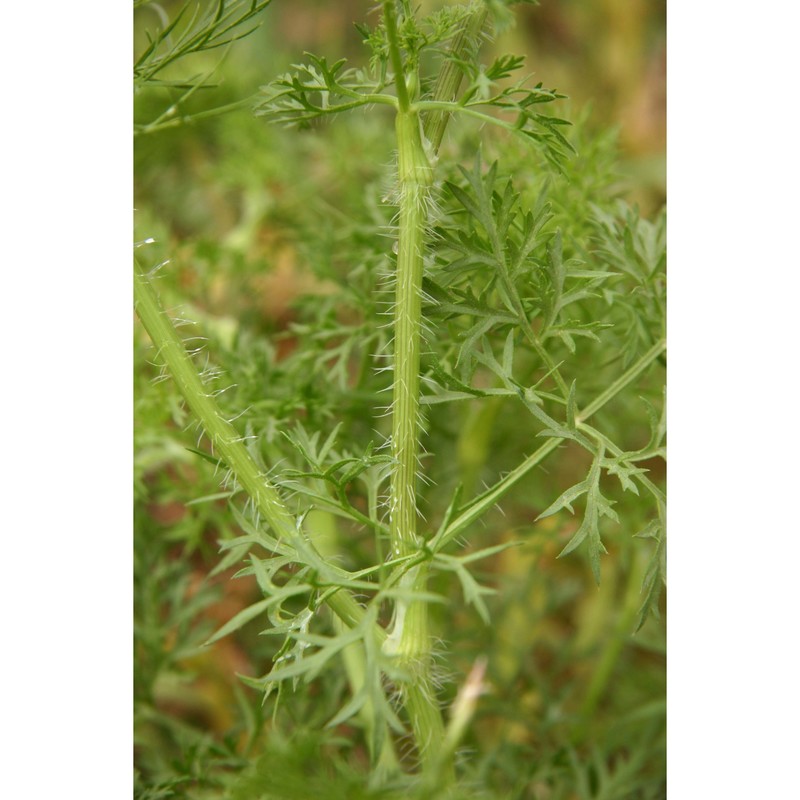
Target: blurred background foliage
262 228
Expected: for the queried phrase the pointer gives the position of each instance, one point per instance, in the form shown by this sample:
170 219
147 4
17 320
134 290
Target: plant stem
381 748
451 75
225 440
410 637
390 19
415 178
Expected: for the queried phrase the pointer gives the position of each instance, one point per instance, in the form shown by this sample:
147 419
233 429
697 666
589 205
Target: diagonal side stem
225 439
451 75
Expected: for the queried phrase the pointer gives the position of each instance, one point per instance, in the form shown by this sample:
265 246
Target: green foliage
221 25
192 31
540 307
318 89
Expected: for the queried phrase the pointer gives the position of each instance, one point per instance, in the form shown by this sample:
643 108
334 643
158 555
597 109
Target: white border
733 304
65 312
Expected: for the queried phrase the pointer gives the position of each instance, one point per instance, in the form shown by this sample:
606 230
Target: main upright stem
410 638
415 177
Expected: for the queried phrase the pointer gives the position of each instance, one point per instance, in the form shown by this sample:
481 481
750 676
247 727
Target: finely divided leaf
597 505
317 89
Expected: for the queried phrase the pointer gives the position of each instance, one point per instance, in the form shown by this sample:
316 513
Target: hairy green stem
415 179
225 439
410 638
